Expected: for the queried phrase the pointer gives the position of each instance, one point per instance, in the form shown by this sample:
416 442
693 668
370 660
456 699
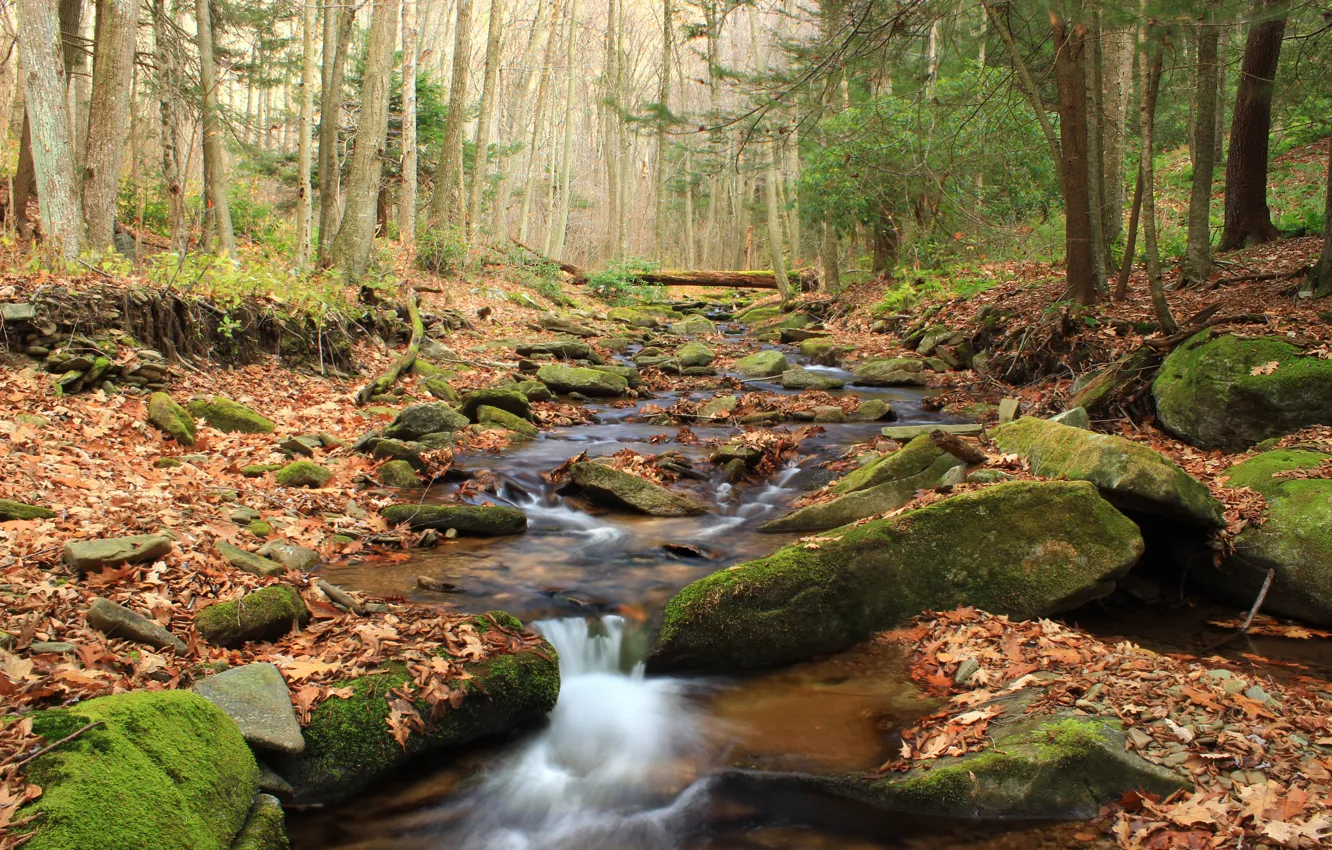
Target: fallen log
802 279
381 385
952 444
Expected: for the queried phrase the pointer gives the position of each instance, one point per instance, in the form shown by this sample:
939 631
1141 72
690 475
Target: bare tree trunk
1070 74
44 94
305 145
168 103
1197 264
1150 87
481 161
1320 277
25 177
108 125
215 170
351 247
407 202
566 156
1095 163
1248 221
338 20
1117 72
446 204
663 105
538 116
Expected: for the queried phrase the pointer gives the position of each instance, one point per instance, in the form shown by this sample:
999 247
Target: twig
49 747
1258 603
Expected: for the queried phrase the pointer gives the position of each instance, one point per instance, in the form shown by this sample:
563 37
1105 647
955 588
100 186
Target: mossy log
381 385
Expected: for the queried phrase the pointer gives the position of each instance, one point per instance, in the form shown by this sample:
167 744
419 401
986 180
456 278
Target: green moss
171 418
258 470
1257 473
229 416
487 415
264 828
263 614
11 510
167 463
259 528
167 770
913 458
303 473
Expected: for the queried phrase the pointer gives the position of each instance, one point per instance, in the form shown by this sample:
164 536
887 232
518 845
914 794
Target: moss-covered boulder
264 614
398 473
895 372
348 746
563 349
1024 549
694 354
756 315
719 406
487 415
574 379
414 422
12 510
633 318
479 520
629 373
1230 392
265 828
882 485
1295 541
537 391
804 379
508 398
871 410
824 350
229 416
165 770
762 364
695 325
442 390
623 489
174 420
1132 476
303 473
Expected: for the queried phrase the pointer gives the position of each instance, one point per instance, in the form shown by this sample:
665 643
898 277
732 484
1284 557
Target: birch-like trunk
407 199
1197 265
338 20
566 156
481 157
305 142
446 201
1117 48
663 104
215 169
1149 85
351 247
538 116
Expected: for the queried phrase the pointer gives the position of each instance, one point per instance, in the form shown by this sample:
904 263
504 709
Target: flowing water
631 762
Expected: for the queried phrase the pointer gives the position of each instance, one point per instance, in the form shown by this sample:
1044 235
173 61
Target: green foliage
442 249
620 283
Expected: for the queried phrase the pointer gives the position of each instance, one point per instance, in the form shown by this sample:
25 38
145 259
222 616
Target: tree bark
215 169
1096 162
1248 221
663 106
1070 74
1150 86
1320 277
167 53
1117 73
407 200
566 161
351 247
538 117
305 144
1197 265
446 202
108 124
489 83
44 94
338 20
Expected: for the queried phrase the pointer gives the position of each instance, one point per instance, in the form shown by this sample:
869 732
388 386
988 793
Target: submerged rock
897 372
171 418
481 520
264 614
803 379
601 483
1132 476
164 771
257 698
1230 392
1025 549
571 379
348 746
87 555
762 364
229 416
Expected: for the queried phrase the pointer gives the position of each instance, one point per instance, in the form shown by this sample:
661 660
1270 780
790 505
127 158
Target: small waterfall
545 512
616 767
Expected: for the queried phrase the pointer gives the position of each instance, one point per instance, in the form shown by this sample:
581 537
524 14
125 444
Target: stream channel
632 762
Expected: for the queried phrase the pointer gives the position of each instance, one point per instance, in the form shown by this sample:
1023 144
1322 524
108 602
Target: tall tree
1197 264
350 250
305 154
338 18
215 169
1150 88
663 105
166 49
446 201
1071 77
44 95
1117 48
489 83
108 124
1247 220
407 203
566 156
1320 276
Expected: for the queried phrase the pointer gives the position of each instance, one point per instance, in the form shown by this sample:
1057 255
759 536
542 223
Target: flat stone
243 515
117 621
87 555
1075 418
248 561
1008 410
902 433
271 783
257 698
40 647
1141 740
291 555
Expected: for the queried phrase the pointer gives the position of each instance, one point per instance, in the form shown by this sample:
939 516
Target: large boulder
413 423
804 379
1025 549
762 364
171 418
348 744
896 372
694 354
229 416
87 555
163 771
603 484
264 614
508 398
1132 476
694 325
629 373
882 485
564 349
1229 392
1295 541
480 520
570 379
256 697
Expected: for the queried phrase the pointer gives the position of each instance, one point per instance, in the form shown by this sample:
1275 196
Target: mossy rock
264 614
882 485
347 743
824 351
398 473
165 771
1295 541
633 317
573 379
872 410
804 379
479 520
509 398
1207 391
894 372
722 404
762 364
694 325
1132 476
229 416
171 418
487 415
1025 549
694 354
303 473
537 391
612 486
265 828
414 422
756 315
12 510
442 390
629 373
259 529
259 470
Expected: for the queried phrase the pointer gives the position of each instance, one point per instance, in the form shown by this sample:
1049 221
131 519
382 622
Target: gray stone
271 783
291 555
1075 418
902 433
40 647
257 698
804 379
117 621
243 514
895 372
871 411
601 483
88 555
1008 410
248 561
694 354
719 405
19 312
413 423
